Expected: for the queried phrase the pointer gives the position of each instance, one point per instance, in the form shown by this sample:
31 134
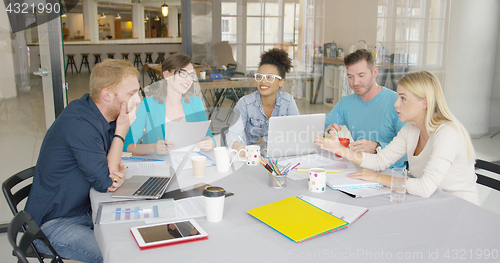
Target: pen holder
277 181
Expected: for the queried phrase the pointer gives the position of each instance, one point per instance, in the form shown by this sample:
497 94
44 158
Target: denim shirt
251 123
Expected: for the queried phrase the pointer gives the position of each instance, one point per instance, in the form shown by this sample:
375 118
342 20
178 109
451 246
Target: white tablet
166 234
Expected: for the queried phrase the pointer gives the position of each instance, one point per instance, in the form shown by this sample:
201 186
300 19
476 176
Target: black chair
13 199
23 221
223 133
486 180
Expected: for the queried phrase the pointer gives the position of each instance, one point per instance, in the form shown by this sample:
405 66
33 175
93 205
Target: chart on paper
135 213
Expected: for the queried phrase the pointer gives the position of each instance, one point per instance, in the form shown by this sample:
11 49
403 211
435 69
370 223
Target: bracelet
119 136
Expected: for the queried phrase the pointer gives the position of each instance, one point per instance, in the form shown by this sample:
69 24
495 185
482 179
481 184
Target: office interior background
458 40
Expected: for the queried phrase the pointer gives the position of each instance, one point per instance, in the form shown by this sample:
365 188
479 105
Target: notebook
297 219
340 181
354 187
148 186
294 135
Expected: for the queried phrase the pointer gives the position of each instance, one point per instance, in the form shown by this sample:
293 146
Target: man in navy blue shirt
82 149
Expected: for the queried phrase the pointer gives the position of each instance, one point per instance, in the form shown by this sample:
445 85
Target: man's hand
332 129
206 144
124 120
364 146
118 178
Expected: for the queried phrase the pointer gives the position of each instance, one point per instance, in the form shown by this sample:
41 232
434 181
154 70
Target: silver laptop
150 187
294 135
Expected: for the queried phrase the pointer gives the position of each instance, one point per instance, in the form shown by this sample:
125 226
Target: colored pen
241 140
133 211
293 167
116 178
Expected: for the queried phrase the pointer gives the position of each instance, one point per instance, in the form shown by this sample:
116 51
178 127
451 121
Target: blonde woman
439 148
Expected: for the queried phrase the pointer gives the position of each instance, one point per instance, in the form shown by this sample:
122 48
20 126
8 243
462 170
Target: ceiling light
164 10
64 15
147 18
157 18
118 16
103 15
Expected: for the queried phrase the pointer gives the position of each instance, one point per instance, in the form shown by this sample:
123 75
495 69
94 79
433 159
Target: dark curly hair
279 58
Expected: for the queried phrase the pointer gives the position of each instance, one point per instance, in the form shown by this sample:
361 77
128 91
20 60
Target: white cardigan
442 163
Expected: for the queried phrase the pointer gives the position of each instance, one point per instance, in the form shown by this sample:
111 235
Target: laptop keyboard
152 187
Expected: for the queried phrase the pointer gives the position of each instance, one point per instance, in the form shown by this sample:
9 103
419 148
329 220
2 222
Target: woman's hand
365 174
206 144
330 144
162 146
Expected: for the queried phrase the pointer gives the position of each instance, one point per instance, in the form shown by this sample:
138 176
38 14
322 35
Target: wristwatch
378 148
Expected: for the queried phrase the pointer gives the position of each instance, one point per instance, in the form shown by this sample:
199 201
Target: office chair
24 221
13 199
223 133
486 180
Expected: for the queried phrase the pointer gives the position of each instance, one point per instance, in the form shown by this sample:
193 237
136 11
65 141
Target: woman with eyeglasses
172 102
439 148
252 112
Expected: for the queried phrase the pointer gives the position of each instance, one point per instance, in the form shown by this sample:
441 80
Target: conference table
440 228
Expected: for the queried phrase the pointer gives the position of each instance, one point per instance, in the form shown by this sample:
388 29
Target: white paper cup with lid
214 203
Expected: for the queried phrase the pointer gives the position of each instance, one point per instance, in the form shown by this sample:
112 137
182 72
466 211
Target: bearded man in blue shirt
369 113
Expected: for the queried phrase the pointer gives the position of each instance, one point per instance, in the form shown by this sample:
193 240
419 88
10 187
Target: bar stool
111 55
125 56
85 61
137 60
149 59
71 63
97 58
160 58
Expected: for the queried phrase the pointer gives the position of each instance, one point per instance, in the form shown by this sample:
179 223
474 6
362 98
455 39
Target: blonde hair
426 85
108 74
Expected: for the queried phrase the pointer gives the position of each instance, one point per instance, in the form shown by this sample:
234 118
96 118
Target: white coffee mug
317 180
223 159
203 74
252 154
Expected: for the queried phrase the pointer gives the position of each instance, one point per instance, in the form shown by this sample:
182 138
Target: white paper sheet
348 213
183 134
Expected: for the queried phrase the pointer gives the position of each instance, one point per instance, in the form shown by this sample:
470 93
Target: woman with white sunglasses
250 123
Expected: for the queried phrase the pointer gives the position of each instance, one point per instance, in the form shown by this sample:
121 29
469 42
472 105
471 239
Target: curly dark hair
359 55
279 58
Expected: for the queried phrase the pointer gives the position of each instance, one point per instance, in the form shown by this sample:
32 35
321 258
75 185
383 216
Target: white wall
469 75
348 21
495 94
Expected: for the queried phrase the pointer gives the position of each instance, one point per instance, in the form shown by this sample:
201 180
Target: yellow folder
297 219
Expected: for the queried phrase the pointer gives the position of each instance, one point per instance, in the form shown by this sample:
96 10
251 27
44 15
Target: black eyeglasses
184 74
269 77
